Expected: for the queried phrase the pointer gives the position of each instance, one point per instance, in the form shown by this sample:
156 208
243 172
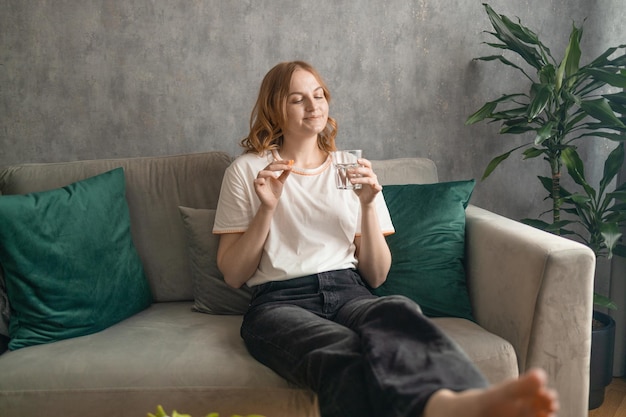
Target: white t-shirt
313 228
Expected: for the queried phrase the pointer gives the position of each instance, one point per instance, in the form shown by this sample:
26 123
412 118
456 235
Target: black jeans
363 355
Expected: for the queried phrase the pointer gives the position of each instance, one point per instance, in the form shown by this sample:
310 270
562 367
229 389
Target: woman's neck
305 155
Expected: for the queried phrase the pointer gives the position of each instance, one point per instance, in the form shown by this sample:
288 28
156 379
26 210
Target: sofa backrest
156 186
405 171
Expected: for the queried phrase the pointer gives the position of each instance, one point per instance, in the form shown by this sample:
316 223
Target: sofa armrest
534 289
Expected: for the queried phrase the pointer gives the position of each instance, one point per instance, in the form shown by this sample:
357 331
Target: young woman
311 251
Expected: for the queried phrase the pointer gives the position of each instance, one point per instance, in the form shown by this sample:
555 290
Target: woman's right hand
269 182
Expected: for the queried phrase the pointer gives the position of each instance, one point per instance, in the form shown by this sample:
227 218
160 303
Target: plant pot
601 368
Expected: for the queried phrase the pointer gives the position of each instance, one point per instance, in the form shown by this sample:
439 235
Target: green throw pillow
428 247
69 262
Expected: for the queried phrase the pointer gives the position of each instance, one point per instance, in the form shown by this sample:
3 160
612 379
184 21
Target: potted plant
566 102
598 215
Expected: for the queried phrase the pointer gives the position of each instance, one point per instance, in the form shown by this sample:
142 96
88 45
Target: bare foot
527 396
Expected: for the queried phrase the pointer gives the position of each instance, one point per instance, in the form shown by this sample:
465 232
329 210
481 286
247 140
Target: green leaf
571 60
573 121
616 214
618 195
576 169
574 165
487 110
511 117
612 136
540 98
602 301
618 108
547 74
578 200
516 129
612 165
603 60
503 60
544 133
610 234
620 61
608 77
522 33
505 32
619 98
547 183
533 153
601 110
494 163
484 112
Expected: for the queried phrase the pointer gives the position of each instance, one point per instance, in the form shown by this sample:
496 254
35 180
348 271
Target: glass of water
345 162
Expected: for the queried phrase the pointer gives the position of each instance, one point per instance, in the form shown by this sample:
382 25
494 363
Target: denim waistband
321 293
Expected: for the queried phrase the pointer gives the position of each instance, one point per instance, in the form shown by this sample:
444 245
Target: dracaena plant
596 215
564 101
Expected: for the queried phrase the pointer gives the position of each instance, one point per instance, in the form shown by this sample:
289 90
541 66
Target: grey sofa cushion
182 360
164 355
493 355
211 294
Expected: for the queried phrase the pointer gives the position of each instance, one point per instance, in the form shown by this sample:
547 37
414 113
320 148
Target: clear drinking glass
345 162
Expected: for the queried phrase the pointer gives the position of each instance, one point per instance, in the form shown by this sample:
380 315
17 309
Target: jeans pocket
356 278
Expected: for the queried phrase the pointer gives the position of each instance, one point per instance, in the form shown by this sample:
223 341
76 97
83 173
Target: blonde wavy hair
269 114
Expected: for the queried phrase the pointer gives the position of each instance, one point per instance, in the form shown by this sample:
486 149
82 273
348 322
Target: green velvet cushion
4 307
428 247
211 294
69 262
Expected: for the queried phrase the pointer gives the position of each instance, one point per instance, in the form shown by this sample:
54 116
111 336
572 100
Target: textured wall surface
94 79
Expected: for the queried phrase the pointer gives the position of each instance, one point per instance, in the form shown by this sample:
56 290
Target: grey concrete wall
97 79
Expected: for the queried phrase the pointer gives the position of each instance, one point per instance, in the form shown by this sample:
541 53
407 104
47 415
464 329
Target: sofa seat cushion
194 363
493 355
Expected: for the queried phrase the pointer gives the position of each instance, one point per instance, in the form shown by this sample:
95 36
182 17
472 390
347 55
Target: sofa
530 295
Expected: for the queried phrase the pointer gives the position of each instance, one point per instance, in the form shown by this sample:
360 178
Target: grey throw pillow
211 294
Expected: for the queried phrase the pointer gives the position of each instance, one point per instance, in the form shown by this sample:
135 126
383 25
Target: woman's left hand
368 180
